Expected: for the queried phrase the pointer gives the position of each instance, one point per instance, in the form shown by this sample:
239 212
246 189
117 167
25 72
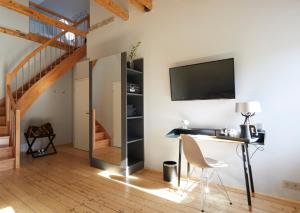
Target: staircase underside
40 86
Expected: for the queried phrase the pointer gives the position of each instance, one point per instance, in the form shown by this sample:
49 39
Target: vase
130 64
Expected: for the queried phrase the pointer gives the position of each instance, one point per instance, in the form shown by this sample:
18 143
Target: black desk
213 135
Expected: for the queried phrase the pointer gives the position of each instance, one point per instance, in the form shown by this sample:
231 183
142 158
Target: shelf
134 94
134 162
134 117
134 139
133 72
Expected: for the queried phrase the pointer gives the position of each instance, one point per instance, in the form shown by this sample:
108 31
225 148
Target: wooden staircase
28 80
7 160
102 139
100 136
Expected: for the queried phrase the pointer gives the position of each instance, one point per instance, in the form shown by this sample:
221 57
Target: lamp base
247 117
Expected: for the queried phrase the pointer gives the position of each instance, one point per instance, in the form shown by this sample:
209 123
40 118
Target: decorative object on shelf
224 132
229 132
132 54
233 133
248 110
131 110
185 124
133 88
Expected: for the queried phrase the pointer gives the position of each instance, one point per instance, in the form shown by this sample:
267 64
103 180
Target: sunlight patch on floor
8 209
172 194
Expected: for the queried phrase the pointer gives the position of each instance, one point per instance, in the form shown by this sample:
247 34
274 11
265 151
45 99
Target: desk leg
179 161
250 169
246 176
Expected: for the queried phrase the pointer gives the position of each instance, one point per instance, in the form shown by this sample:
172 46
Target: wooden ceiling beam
32 37
137 5
20 8
49 11
102 23
146 3
114 8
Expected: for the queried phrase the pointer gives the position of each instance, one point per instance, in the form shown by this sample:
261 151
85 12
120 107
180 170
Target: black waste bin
170 170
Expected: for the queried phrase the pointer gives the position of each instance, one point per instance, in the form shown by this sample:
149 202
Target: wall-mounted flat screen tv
203 81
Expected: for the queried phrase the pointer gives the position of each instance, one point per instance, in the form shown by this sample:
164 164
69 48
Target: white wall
54 106
81 70
264 39
12 48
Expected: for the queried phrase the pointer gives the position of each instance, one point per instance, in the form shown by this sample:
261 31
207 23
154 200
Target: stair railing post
17 138
94 128
7 102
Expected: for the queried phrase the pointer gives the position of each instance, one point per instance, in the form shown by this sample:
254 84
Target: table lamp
248 109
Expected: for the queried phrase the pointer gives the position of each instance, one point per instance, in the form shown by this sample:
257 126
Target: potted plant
132 54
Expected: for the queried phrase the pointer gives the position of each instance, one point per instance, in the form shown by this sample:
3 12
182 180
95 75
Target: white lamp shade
248 107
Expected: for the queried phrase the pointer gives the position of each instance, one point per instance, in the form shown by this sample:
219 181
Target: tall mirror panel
106 107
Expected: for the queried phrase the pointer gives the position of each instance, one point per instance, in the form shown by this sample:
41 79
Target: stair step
99 135
3 130
98 128
4 140
2 120
7 164
2 110
101 143
6 152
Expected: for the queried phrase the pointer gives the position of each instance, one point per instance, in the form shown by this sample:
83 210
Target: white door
81 116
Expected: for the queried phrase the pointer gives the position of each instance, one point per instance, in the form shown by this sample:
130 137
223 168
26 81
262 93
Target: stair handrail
14 72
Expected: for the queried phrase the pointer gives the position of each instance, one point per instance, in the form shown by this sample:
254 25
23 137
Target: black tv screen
209 80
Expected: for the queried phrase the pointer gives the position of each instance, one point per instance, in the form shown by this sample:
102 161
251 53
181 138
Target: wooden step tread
6 160
2 111
7 164
2 120
6 152
5 147
102 140
99 135
3 131
101 143
9 158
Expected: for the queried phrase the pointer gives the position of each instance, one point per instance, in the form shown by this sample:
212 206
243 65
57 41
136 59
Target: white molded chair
195 158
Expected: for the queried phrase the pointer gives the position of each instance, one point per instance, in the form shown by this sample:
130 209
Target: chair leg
227 195
205 186
188 170
189 174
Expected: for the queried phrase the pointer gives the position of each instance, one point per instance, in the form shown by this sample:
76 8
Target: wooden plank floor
108 154
66 183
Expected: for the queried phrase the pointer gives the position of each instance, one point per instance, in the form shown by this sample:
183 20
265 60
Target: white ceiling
70 8
37 1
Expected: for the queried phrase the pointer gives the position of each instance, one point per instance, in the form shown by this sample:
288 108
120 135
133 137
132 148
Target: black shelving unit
133 125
